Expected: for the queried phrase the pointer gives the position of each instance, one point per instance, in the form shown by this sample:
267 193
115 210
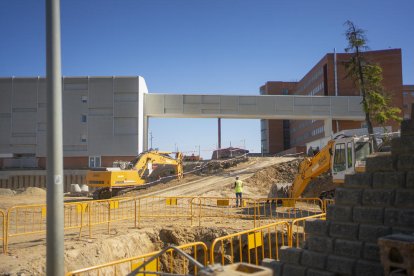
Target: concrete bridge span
283 107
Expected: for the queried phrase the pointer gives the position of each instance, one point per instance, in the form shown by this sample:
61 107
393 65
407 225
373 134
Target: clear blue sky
194 46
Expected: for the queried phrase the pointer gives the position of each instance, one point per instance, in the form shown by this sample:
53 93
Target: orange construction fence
251 246
170 263
26 220
297 230
3 229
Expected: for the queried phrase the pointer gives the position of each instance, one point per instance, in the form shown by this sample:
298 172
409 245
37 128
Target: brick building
277 135
408 100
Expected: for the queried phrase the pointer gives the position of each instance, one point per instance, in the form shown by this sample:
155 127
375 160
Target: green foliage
368 78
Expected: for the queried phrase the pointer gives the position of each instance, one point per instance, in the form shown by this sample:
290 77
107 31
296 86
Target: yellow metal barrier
101 212
218 207
287 208
169 263
25 220
251 246
31 219
172 207
327 202
297 230
3 229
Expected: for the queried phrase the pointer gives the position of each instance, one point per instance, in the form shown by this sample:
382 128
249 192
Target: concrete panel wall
100 116
254 107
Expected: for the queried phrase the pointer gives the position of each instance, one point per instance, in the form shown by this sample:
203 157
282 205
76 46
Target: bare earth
28 257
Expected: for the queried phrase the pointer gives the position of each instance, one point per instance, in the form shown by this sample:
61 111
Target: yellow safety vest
238 186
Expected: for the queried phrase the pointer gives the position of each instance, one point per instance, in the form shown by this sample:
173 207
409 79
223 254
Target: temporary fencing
95 215
168 263
297 230
326 203
167 207
219 207
110 211
24 220
251 246
287 208
3 229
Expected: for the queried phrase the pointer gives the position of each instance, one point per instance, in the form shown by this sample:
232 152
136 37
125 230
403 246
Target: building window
94 161
83 118
84 139
405 94
84 99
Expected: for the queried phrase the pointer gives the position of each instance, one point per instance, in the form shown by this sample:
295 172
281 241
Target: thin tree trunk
364 101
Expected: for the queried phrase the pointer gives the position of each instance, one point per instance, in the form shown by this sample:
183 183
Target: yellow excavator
110 182
341 156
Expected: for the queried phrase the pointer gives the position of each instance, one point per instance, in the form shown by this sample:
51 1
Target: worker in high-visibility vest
238 188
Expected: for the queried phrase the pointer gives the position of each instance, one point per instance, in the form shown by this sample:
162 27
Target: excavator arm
161 158
310 168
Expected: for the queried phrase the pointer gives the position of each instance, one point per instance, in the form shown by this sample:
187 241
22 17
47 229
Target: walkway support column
328 127
145 134
54 198
219 133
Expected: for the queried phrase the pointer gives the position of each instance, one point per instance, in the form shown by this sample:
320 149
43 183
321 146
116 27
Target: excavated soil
28 257
277 180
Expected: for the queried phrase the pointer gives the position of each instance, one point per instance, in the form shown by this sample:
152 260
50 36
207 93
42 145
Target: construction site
326 190
192 224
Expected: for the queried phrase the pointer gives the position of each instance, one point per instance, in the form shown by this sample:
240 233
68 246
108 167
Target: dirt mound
182 235
34 191
7 192
215 166
263 180
278 179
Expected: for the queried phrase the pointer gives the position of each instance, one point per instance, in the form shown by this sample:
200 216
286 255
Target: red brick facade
408 100
320 81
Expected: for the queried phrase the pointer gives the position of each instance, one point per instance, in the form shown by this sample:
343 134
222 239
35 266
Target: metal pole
336 85
151 140
54 199
219 133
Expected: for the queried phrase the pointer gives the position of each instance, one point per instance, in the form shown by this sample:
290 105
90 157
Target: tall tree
368 78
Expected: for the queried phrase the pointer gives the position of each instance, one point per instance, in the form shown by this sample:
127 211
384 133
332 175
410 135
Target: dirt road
221 184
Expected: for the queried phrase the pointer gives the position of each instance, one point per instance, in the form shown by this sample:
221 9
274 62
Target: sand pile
34 191
276 180
279 173
6 192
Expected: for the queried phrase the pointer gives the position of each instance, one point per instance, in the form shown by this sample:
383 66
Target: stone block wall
368 206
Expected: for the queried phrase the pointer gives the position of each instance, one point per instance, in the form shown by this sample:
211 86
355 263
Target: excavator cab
349 155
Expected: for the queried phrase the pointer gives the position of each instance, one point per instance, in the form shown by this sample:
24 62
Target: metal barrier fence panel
297 230
25 220
251 246
100 212
172 207
327 202
168 263
219 207
288 208
3 229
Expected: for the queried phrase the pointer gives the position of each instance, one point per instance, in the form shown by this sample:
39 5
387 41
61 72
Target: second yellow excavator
340 156
110 182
